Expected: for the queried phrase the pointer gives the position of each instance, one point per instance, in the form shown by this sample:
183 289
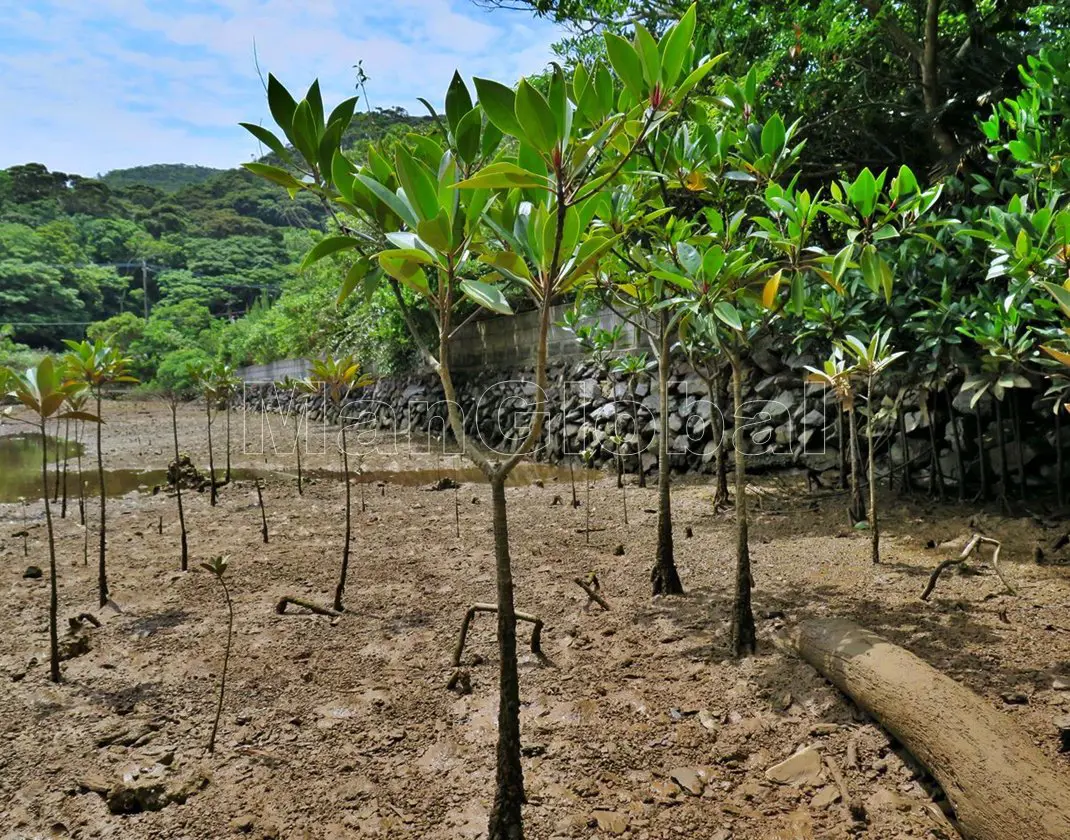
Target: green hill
166 177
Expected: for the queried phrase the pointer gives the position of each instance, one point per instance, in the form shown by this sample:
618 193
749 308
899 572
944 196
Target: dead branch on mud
592 587
287 600
536 630
973 545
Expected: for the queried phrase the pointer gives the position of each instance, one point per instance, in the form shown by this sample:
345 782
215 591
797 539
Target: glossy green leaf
274 174
626 64
674 46
357 272
649 57
268 139
391 200
417 183
728 313
305 134
458 101
486 295
282 105
499 104
502 175
326 246
343 112
535 118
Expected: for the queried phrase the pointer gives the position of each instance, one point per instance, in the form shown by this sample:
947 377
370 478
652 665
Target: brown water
20 472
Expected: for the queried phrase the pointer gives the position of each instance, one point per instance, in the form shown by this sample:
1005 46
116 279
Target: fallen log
999 784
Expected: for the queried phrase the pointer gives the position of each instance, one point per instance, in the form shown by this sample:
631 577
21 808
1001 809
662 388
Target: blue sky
93 85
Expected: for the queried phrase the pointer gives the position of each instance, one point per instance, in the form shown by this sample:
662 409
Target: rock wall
787 421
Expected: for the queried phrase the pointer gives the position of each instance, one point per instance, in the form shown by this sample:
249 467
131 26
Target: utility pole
145 287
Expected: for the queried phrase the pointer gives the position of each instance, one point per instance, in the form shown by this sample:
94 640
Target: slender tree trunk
932 93
858 505
956 442
297 449
226 478
623 490
842 444
872 470
102 574
744 639
1001 443
340 590
982 454
66 443
936 475
211 455
664 578
906 479
1060 494
56 456
53 596
178 488
720 493
638 434
1016 424
78 429
505 817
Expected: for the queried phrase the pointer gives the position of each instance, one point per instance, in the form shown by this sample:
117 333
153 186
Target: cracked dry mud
642 727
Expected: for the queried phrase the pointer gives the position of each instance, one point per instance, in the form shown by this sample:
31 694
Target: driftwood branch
286 601
973 545
591 587
536 630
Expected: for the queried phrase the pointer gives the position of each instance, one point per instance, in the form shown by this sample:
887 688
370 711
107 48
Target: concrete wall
273 371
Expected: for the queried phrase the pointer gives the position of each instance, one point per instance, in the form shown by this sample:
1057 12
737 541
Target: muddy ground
640 727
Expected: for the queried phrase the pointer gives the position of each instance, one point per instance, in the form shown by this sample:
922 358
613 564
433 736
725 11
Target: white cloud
114 83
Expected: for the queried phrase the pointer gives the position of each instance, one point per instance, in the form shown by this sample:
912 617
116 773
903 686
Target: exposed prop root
592 587
287 601
76 622
975 541
460 682
536 630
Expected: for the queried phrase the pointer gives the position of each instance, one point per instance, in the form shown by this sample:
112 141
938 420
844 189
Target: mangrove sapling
95 365
632 366
618 443
698 337
836 374
176 388
572 480
204 378
42 390
263 515
870 361
66 458
218 567
226 386
588 456
336 378
444 209
640 292
77 403
293 387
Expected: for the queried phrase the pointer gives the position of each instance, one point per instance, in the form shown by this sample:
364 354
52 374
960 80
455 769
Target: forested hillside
192 248
168 177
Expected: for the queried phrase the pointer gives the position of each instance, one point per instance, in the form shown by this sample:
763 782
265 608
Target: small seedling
263 515
218 567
